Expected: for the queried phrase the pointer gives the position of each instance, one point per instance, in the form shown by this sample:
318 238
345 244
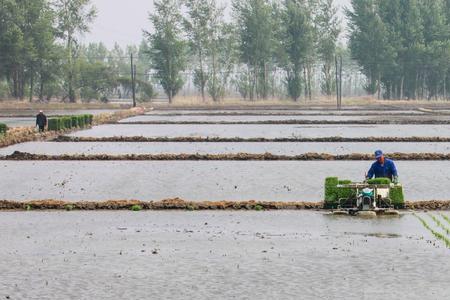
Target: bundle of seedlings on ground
3 128
69 122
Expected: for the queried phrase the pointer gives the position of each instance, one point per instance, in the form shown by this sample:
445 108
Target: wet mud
23 156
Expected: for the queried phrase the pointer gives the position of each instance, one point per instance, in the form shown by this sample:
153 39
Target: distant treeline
402 46
284 48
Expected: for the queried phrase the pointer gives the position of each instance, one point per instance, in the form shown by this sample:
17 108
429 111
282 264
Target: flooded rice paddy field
244 255
32 113
124 148
280 118
251 112
203 180
21 118
18 121
267 131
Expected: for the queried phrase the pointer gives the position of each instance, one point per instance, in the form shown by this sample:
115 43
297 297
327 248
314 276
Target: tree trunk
31 85
202 76
402 83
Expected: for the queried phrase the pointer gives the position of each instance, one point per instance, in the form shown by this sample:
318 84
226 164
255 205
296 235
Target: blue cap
378 154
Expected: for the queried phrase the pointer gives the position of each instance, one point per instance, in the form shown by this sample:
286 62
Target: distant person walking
41 121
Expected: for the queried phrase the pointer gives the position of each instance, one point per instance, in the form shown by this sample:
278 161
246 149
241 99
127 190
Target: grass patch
438 235
136 207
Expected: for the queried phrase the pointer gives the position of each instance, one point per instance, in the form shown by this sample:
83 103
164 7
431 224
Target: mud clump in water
17 155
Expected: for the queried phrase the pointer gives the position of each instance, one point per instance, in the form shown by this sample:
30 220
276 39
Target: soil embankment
180 204
22 156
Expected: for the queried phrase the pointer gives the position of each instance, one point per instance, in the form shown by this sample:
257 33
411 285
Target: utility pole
133 80
337 81
340 83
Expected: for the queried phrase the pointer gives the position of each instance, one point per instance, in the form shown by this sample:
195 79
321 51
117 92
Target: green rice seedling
67 121
259 207
136 207
53 124
438 235
446 218
379 181
81 121
439 224
69 207
74 121
3 128
28 207
191 207
397 196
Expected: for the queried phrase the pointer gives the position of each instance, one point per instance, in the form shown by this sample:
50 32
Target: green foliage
255 24
259 207
168 49
3 128
53 124
297 43
69 122
397 197
69 207
403 47
328 26
74 121
136 207
379 181
72 18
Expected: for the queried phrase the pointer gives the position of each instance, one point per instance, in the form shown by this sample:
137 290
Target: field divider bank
195 139
25 156
58 126
180 204
293 122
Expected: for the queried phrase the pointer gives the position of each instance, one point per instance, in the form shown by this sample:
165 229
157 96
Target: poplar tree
167 47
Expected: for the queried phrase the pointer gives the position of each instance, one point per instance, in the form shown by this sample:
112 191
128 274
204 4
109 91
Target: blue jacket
387 170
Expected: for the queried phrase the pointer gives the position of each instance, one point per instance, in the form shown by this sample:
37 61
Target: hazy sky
122 21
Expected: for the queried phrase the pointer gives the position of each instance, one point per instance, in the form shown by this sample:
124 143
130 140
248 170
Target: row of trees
402 46
40 54
264 37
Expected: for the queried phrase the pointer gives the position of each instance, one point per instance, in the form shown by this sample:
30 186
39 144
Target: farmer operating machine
374 197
